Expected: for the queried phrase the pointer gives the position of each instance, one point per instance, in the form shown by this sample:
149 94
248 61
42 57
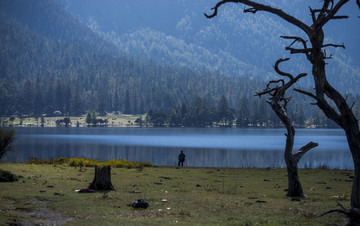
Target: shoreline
113 121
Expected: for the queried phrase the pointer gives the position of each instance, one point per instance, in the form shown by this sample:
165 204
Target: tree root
353 214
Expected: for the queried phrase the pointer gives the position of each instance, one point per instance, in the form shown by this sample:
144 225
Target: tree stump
102 179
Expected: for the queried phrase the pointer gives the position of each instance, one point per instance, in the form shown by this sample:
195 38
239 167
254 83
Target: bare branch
334 45
352 105
296 39
327 57
324 10
305 50
306 93
339 17
299 76
332 4
266 91
340 103
313 17
276 67
322 21
303 150
293 50
266 8
275 81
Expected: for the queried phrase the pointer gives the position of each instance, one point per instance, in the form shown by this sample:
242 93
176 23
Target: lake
204 147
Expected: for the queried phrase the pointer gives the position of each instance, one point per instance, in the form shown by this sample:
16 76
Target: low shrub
83 162
6 176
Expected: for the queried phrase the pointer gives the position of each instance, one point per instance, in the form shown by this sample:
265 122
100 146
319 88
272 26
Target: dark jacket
182 157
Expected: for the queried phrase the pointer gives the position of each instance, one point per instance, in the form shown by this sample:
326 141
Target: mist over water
204 147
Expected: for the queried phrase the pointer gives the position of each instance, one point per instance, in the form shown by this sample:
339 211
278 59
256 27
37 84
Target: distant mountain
49 19
234 43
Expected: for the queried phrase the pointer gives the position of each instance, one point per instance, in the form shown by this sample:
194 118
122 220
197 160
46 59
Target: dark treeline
254 113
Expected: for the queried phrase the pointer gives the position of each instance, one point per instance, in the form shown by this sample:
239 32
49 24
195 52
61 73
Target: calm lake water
206 147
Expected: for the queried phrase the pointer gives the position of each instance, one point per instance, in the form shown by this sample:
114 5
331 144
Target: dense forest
234 43
56 64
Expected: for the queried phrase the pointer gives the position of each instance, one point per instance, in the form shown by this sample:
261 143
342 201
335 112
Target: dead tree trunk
278 103
102 179
341 114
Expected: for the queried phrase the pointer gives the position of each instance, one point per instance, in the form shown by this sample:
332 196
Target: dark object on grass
260 201
86 190
102 179
59 193
6 176
353 214
140 203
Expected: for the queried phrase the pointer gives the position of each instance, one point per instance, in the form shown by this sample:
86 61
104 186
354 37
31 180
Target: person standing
181 158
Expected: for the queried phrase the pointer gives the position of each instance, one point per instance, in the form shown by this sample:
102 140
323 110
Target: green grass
196 196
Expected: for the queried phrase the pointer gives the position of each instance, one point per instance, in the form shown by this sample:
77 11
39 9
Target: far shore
112 121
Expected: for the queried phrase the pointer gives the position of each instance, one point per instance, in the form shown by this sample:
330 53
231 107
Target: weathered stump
102 179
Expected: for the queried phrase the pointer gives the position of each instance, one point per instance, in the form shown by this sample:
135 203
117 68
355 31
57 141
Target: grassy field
45 194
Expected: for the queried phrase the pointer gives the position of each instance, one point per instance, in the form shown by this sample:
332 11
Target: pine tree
243 113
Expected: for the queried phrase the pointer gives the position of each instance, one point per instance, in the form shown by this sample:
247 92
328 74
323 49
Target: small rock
140 204
260 201
58 193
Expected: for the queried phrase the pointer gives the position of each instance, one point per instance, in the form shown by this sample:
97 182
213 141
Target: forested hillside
235 43
51 62
42 74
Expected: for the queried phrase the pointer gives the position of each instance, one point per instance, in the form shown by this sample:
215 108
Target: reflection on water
210 147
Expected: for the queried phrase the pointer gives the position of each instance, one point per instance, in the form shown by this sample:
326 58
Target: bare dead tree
276 89
341 113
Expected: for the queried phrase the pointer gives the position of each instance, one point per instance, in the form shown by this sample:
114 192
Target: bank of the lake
112 120
186 196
